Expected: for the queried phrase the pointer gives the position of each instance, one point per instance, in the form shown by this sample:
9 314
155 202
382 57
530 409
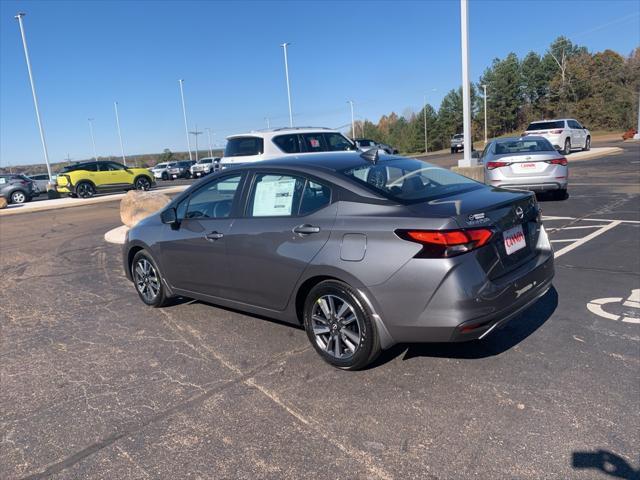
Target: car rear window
244 146
504 147
545 125
408 180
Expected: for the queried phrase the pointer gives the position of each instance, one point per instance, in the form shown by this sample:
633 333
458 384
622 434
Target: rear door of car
287 220
578 135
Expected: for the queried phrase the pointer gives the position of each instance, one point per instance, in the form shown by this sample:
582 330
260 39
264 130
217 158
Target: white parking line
591 236
545 218
565 240
573 228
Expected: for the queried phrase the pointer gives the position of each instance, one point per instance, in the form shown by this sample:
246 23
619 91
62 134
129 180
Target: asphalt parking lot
96 385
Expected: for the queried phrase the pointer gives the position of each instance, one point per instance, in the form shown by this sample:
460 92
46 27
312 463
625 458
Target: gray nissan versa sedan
364 251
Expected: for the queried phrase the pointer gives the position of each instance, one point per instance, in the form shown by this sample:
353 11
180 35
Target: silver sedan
525 163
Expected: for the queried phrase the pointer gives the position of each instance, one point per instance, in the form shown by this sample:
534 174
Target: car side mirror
170 217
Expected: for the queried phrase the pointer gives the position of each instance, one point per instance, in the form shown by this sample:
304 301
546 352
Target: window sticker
274 197
3 180
315 143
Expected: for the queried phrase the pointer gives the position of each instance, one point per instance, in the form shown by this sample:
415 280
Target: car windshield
409 180
545 125
206 160
509 147
161 165
458 137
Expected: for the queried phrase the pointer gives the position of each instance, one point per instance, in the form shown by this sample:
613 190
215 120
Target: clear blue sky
383 55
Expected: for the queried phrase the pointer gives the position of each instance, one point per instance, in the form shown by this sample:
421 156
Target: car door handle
213 236
306 229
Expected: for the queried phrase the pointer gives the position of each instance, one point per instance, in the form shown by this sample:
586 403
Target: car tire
165 176
147 280
340 326
560 194
567 147
453 150
18 197
587 145
142 183
85 190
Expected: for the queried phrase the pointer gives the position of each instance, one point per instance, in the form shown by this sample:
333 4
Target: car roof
553 120
333 161
526 137
272 132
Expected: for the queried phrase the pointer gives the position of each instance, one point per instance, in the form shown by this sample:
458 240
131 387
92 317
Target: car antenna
371 155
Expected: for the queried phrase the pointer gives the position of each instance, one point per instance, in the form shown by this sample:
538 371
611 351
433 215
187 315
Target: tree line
599 89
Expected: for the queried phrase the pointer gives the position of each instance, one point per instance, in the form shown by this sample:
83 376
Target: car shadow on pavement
515 331
607 462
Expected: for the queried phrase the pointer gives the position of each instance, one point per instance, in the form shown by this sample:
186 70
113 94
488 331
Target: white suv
279 142
565 134
204 166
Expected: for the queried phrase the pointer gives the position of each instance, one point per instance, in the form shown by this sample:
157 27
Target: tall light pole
196 133
268 122
468 160
124 159
184 114
637 135
286 72
33 92
484 87
209 137
93 140
353 125
424 114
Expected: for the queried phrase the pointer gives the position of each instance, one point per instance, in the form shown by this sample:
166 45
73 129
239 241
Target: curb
76 202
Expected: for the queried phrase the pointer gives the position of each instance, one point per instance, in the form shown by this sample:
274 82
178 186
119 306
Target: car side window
89 167
314 142
337 143
486 150
215 199
111 167
275 195
314 197
287 143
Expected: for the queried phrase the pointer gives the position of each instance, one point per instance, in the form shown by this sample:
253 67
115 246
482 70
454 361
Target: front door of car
288 220
113 174
576 134
193 254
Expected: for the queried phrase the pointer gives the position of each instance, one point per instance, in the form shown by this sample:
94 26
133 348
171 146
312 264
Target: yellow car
88 178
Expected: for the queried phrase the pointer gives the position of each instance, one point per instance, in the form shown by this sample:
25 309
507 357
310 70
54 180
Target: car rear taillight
558 161
492 165
446 243
556 132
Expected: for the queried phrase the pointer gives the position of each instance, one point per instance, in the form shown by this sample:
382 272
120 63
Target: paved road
95 385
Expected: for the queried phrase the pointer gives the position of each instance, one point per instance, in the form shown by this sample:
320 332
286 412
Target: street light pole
93 140
209 137
424 114
184 114
268 122
286 71
467 161
353 125
33 92
637 135
124 159
196 133
484 87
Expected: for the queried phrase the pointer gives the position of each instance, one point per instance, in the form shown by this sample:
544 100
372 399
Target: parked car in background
180 169
279 142
160 170
526 163
16 188
365 144
565 134
40 182
204 166
388 149
85 179
457 143
349 245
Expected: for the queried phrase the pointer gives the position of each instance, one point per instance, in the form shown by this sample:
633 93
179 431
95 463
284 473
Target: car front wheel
147 279
142 183
567 147
587 144
340 327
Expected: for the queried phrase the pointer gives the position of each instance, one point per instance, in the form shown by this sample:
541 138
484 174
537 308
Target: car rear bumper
455 300
534 187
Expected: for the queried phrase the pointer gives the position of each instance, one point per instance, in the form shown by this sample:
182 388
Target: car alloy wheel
18 197
567 146
142 183
146 279
336 327
85 190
